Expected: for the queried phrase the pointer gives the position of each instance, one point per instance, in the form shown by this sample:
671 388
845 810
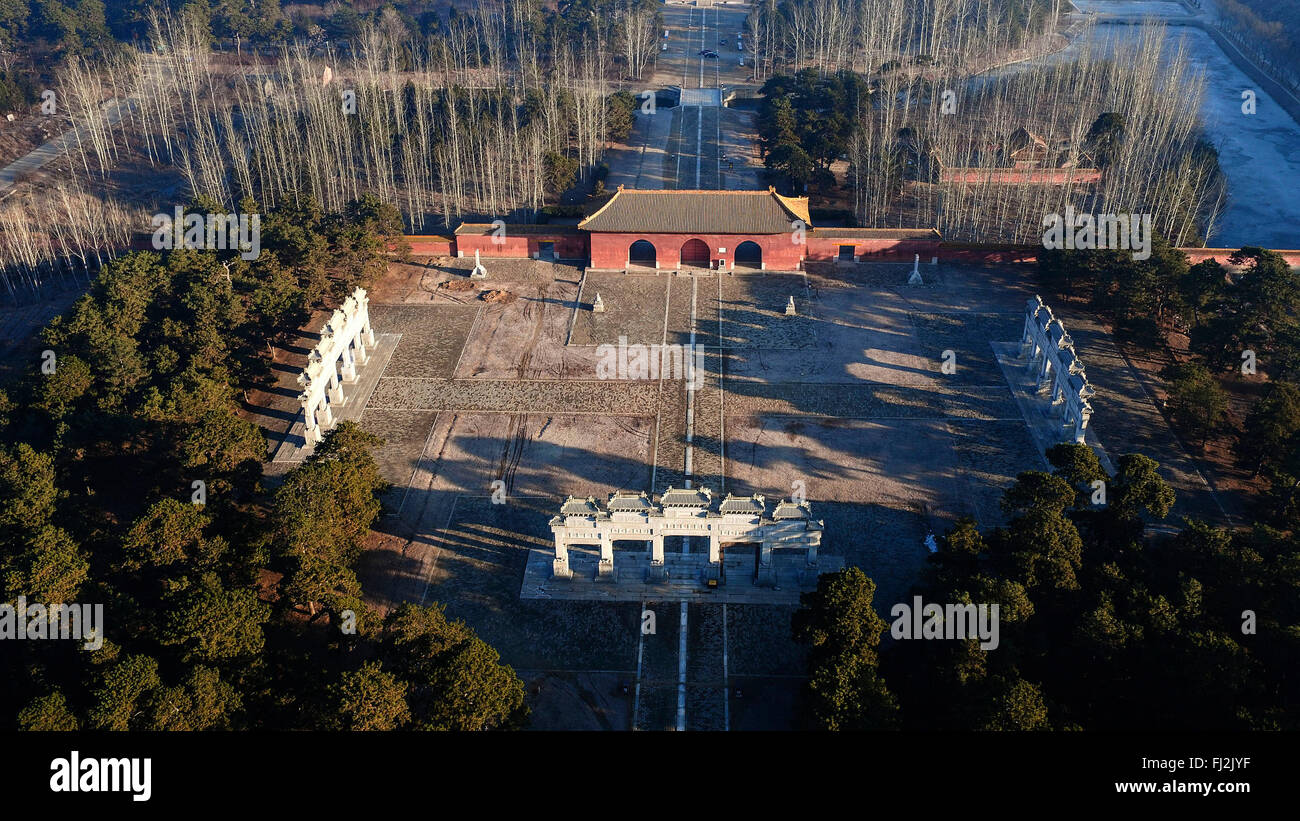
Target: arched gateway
749 254
642 252
691 513
695 253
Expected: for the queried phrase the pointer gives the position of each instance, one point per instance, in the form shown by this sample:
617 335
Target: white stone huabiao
683 512
598 307
333 363
1056 368
915 278
789 307
479 271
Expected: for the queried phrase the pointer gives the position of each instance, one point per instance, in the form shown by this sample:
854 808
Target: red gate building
671 230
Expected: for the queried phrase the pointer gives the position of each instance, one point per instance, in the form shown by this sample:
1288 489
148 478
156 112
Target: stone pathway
686 572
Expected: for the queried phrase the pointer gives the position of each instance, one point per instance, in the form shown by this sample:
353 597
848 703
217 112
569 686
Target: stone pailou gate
333 362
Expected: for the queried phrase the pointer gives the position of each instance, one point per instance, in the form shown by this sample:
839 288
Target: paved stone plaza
844 403
493 415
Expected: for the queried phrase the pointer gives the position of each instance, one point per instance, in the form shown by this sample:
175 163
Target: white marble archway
1056 367
343 345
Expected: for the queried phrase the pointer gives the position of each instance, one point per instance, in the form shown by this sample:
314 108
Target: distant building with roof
674 230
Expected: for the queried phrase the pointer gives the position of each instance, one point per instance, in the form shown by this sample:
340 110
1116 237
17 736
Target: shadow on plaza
481 539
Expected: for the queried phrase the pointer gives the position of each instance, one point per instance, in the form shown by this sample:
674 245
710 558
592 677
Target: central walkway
702 97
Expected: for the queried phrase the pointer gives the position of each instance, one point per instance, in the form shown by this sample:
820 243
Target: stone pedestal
657 572
560 569
605 570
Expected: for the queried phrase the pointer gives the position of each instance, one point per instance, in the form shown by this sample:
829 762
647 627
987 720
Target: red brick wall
1020 176
883 248
430 245
521 246
993 253
978 253
780 252
1195 255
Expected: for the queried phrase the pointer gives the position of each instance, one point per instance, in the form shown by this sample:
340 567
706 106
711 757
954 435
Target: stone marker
915 278
789 307
598 307
479 271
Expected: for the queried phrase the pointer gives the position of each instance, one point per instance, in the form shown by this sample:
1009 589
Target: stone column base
712 570
765 576
657 572
605 570
560 569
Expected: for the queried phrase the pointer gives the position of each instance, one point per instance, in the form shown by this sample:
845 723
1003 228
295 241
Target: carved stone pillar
714 568
311 432
658 570
605 569
560 565
349 366
766 574
336 389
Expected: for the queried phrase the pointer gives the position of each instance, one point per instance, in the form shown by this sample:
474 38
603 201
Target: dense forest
897 127
860 35
1269 32
1101 626
1242 326
130 475
490 115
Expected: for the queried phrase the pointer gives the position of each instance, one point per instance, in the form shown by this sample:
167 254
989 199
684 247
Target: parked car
712 55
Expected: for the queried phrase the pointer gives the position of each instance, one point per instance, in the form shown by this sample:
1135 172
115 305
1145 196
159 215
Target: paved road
698 144
692 30
51 150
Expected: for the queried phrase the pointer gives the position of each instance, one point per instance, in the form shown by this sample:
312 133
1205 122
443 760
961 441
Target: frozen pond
1259 153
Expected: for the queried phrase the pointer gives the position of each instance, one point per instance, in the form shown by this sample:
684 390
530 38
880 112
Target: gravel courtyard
848 402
